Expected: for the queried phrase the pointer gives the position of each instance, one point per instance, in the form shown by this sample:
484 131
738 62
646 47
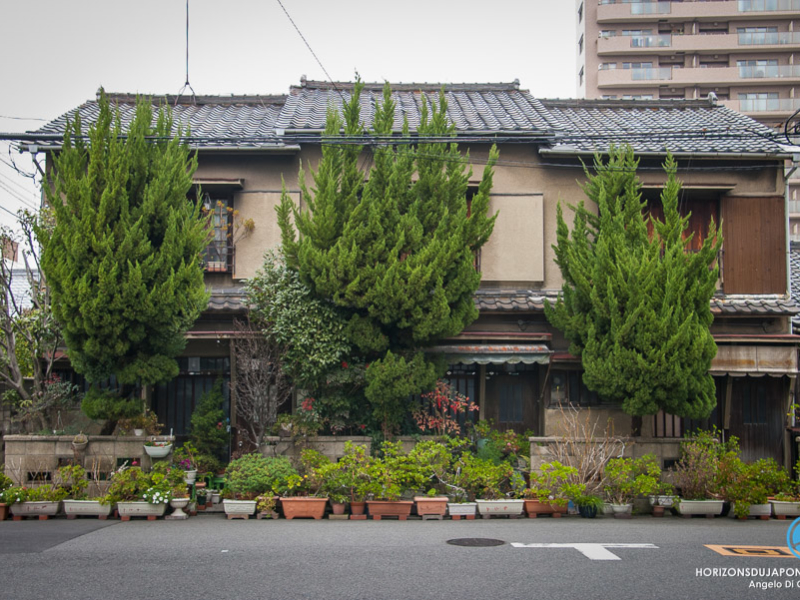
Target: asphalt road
208 557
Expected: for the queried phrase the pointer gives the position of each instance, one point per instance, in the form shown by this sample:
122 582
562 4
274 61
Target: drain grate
475 542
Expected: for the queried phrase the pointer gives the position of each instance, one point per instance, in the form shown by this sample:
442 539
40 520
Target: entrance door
757 416
511 400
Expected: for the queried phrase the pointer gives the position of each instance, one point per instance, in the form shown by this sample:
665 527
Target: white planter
178 504
190 476
138 432
140 509
756 510
622 509
700 507
500 507
239 507
665 501
91 508
461 509
785 509
158 451
31 509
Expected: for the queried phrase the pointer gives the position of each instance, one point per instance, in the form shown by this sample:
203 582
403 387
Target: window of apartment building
637 65
607 33
764 67
608 97
606 66
580 45
757 35
638 97
637 32
680 95
712 28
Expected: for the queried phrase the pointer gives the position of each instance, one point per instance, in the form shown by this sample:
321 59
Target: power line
19 189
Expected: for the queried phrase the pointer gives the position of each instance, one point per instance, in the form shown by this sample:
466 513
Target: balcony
723 43
764 107
726 76
722 10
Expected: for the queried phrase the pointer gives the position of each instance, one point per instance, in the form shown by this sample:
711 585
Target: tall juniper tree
123 260
636 304
396 254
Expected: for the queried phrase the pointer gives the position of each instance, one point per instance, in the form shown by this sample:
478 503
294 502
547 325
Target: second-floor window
219 253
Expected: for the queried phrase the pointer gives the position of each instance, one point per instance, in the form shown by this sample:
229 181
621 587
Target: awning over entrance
755 361
495 354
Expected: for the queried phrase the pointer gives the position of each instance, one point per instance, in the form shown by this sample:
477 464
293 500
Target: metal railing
769 38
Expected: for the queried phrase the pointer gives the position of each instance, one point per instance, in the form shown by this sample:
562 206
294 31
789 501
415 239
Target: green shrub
253 475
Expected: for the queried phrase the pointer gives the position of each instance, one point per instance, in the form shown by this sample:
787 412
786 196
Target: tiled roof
213 121
656 126
488 300
500 110
227 300
473 108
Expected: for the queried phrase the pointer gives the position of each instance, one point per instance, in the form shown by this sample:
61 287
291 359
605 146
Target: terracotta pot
3 511
389 508
357 508
338 508
534 508
304 506
431 506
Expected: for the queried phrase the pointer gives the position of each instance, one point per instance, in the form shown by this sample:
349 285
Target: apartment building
746 52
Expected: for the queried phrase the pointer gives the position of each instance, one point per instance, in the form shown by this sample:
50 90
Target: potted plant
184 458
77 503
178 500
79 442
157 448
5 483
698 477
303 497
550 489
145 422
663 498
588 505
267 507
137 493
751 485
627 478
253 475
786 502
389 478
495 487
434 461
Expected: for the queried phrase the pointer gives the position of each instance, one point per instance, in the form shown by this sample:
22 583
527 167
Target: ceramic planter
431 507
190 476
462 510
489 508
587 511
158 451
140 509
708 508
86 508
43 510
760 511
782 509
533 508
304 507
239 509
622 511
389 508
177 505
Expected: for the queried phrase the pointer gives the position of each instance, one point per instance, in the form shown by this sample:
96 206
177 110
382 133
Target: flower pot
158 451
707 508
304 507
32 509
190 476
760 511
488 508
80 446
337 508
138 432
587 512
622 511
140 509
389 508
533 508
459 510
239 509
782 509
178 504
357 508
428 506
89 508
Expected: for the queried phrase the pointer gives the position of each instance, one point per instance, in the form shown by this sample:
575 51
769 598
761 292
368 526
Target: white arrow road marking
591 551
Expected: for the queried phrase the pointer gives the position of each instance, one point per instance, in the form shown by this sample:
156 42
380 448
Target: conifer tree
123 260
396 254
635 306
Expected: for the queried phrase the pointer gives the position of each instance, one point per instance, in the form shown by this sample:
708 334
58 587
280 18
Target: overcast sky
58 52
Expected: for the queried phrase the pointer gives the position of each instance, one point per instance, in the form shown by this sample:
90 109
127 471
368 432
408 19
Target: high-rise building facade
747 52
